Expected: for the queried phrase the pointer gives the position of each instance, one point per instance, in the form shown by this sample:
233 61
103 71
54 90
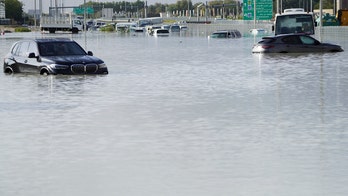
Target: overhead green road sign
264 9
81 10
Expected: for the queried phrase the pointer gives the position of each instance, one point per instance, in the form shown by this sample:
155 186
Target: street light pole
188 8
35 14
254 14
198 10
84 23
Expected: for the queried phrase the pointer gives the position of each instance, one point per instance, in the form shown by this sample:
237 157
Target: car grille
84 69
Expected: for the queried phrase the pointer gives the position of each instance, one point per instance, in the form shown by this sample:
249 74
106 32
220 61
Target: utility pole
254 14
188 9
35 14
145 9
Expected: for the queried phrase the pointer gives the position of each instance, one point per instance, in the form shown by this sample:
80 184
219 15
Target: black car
293 43
52 56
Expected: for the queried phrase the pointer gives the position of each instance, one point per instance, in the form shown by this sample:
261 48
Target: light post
84 23
198 10
223 9
254 14
35 14
84 15
188 9
206 11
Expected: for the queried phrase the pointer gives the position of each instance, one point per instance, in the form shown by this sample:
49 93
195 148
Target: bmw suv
52 56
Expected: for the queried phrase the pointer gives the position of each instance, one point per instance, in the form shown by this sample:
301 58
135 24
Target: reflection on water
182 115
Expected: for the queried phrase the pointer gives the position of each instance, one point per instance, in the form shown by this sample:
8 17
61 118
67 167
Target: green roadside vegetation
232 8
22 29
108 28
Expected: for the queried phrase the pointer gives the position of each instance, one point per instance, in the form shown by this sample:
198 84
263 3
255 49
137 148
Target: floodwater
177 116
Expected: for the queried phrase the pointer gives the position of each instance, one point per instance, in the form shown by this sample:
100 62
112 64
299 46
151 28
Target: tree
327 4
14 10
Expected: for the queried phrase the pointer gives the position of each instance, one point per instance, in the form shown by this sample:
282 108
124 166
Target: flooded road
177 116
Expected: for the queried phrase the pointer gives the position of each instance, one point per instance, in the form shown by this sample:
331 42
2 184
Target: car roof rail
53 39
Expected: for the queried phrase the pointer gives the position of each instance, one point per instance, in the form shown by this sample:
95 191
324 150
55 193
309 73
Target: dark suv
52 56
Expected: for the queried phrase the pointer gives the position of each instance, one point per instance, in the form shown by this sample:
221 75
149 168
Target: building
3 19
34 13
2 10
107 13
342 4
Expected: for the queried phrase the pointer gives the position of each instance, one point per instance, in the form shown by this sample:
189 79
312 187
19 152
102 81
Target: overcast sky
29 4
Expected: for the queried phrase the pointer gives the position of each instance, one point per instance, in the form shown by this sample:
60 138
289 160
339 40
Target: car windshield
238 34
162 31
294 23
60 49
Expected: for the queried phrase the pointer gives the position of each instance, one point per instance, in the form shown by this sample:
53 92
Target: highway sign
81 10
264 9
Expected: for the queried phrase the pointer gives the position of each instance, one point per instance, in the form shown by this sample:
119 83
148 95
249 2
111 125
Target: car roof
44 40
232 30
285 35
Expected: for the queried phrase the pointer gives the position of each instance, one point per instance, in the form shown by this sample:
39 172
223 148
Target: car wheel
44 72
75 31
8 70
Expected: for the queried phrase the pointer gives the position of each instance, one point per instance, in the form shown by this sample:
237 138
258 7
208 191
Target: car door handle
25 61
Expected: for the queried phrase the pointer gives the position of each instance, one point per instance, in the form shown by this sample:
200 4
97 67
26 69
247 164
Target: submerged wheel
8 70
75 30
44 72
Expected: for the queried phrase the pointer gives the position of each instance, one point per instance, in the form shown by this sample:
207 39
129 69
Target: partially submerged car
293 43
52 56
160 32
226 34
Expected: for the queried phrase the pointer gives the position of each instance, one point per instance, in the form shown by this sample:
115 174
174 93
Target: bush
22 29
108 28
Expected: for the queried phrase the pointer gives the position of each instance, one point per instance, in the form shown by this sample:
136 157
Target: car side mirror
90 53
32 55
272 27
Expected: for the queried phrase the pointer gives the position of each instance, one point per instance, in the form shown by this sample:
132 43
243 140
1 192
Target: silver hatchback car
293 43
226 34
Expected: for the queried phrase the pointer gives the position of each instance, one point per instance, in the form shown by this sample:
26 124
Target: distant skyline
29 4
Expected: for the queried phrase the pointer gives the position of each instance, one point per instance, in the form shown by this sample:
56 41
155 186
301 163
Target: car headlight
102 65
57 66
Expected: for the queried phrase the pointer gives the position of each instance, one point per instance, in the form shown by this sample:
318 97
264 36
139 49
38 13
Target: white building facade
2 10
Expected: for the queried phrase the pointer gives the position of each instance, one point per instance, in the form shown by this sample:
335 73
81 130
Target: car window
291 40
46 49
15 49
32 48
220 35
238 34
60 49
77 22
231 35
23 49
267 40
307 40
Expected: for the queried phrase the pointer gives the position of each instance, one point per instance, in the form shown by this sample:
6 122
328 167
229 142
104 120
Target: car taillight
267 46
